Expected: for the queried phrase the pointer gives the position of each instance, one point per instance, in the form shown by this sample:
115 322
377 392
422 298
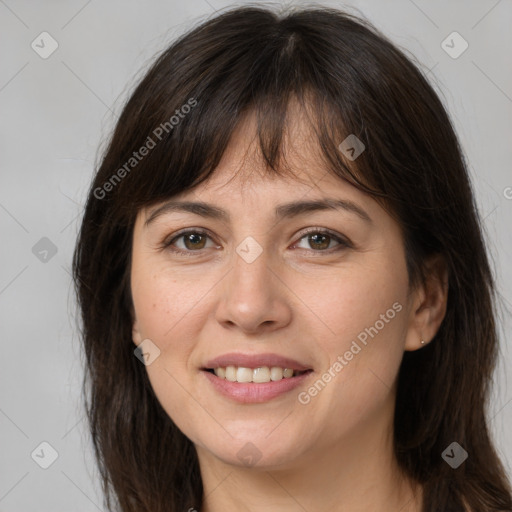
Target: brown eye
320 241
192 241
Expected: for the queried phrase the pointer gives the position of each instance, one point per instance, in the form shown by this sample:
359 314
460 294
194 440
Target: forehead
242 182
230 196
242 168
243 190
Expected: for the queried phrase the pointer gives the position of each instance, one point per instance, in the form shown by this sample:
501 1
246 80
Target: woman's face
258 289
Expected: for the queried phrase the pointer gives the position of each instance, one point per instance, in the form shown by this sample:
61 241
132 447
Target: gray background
55 113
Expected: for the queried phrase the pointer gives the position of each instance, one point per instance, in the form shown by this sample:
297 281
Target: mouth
258 375
255 384
255 378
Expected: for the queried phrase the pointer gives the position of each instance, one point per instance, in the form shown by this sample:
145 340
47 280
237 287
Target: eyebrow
286 210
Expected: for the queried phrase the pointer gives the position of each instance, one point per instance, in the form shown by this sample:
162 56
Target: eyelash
343 243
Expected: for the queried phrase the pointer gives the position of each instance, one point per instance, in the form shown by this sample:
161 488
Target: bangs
196 105
191 154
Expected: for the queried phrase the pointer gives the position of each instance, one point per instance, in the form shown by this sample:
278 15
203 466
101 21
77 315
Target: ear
136 336
429 304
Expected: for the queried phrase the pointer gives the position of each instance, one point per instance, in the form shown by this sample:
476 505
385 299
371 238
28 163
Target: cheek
166 306
173 390
364 317
352 301
166 310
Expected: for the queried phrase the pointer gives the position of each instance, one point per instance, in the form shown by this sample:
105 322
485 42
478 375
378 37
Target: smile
260 375
250 391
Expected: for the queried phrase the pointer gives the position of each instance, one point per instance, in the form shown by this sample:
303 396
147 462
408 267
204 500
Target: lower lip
250 392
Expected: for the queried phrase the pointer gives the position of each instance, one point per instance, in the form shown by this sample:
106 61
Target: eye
194 241
320 240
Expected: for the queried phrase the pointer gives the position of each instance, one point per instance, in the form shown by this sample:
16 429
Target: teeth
244 374
230 373
259 375
276 373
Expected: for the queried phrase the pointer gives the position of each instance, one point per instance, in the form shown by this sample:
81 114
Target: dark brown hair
355 81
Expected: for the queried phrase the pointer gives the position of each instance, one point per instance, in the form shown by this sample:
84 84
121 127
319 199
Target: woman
285 294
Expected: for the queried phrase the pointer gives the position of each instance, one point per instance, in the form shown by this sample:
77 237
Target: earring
422 342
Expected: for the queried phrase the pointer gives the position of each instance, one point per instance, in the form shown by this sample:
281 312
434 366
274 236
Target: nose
253 298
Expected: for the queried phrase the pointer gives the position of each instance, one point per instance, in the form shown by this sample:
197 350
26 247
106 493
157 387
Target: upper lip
254 361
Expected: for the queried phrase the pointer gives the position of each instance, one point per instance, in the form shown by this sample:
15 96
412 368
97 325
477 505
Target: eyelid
175 236
341 239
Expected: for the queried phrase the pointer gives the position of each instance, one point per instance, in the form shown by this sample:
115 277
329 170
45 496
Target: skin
335 452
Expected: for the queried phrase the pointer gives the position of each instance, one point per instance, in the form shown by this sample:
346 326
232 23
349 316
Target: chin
255 453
